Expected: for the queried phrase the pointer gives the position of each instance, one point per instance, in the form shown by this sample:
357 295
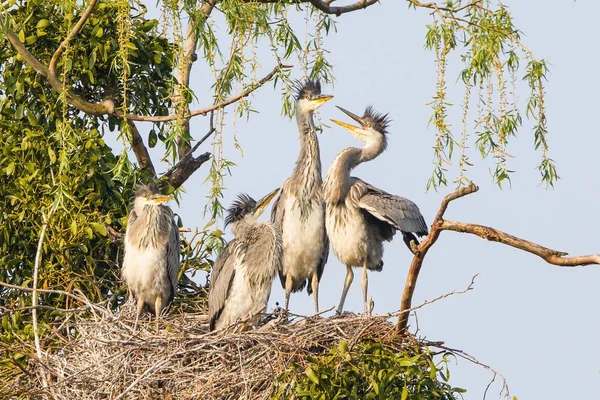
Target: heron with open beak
359 216
242 276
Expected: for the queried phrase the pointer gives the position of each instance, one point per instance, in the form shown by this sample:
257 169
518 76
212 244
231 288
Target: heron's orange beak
264 202
159 198
351 128
323 99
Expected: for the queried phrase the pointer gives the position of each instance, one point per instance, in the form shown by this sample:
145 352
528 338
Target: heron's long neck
307 173
158 219
337 183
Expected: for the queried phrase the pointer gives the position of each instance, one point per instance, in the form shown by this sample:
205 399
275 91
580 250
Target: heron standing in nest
151 262
242 276
359 216
299 212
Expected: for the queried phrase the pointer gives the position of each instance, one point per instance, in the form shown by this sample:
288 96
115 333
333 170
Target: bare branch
327 9
55 83
423 248
551 256
140 150
324 5
184 69
188 163
70 36
206 110
36 269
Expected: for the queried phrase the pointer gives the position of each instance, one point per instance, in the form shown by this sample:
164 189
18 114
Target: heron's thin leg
288 289
138 312
157 309
315 290
347 283
365 287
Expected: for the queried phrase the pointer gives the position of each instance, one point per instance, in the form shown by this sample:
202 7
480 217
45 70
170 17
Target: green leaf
404 395
99 228
152 138
52 155
11 168
311 375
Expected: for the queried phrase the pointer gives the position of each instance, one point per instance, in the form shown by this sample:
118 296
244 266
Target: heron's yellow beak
351 128
264 202
323 99
159 198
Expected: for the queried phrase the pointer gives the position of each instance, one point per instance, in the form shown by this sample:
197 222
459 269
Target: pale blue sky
535 323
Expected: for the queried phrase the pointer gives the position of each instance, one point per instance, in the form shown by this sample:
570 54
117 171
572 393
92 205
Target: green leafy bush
368 371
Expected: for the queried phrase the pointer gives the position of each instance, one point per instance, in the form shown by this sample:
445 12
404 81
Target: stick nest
106 359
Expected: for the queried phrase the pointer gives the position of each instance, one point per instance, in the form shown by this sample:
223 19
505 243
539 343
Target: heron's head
372 126
149 195
246 207
308 95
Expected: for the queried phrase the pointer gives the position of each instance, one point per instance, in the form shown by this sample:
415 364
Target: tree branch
422 249
206 110
36 269
70 36
551 256
185 67
140 150
187 165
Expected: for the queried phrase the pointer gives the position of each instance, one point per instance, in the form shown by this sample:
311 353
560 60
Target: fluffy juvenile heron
299 212
360 216
151 263
243 273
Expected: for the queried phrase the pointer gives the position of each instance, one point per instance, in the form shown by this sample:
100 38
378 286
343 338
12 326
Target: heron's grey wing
277 214
173 259
221 278
325 254
400 213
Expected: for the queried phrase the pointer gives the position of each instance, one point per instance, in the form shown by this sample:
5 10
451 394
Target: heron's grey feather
221 278
299 212
151 261
401 213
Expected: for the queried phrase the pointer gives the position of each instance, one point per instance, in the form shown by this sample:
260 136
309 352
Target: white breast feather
303 242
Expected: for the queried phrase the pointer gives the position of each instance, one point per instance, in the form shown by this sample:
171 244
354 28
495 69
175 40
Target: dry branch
70 36
551 256
423 248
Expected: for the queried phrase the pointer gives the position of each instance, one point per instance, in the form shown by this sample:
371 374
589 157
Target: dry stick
551 256
142 376
36 269
417 262
70 36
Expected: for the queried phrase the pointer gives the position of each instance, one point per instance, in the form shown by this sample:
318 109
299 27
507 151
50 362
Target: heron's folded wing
221 277
401 213
324 255
277 214
173 259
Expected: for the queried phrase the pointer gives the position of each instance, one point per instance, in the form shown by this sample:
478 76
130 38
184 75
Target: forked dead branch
439 224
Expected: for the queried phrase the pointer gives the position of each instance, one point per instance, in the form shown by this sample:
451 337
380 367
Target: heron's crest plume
307 89
243 205
377 121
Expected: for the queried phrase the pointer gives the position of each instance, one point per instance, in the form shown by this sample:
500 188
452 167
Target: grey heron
151 261
299 212
243 273
359 216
